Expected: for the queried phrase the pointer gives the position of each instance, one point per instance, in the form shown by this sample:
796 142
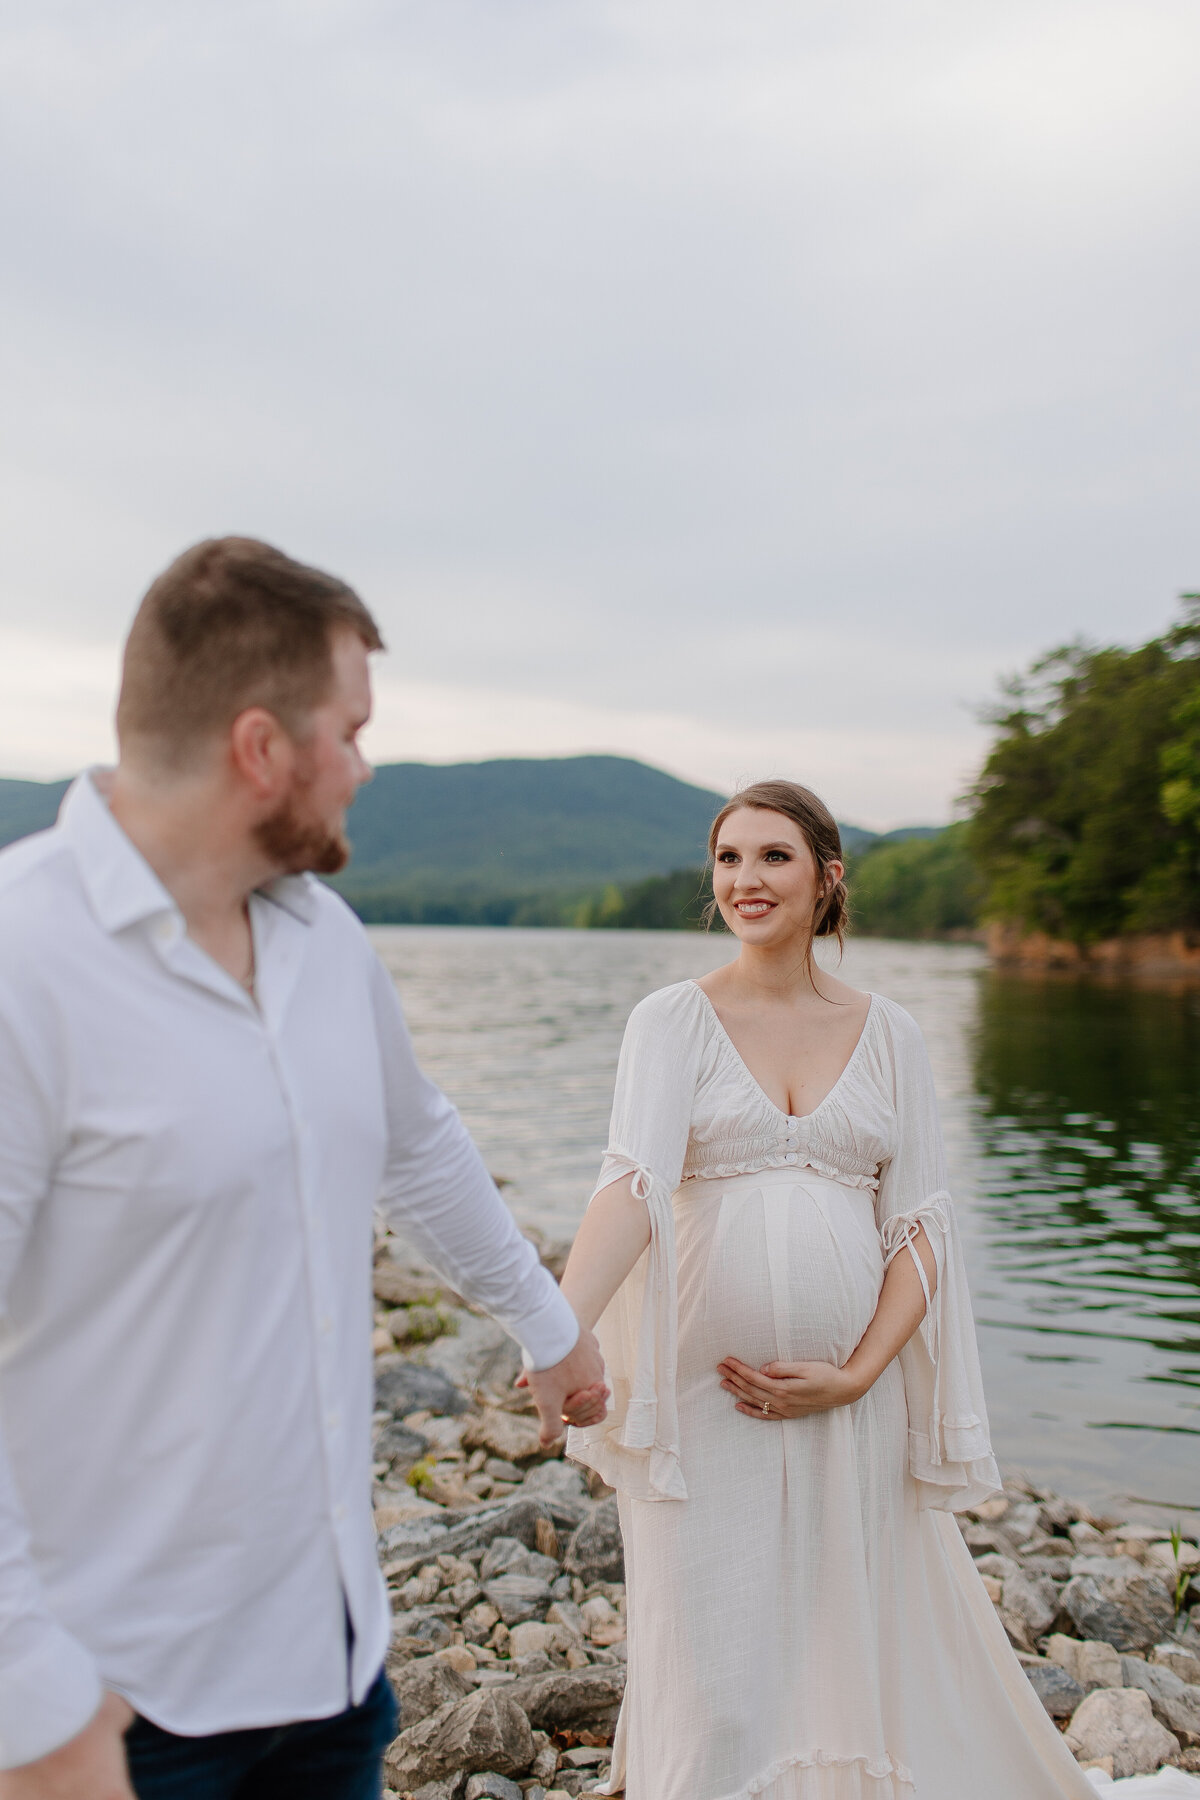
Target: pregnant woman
772 1261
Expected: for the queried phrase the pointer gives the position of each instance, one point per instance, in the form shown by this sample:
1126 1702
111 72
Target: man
206 1086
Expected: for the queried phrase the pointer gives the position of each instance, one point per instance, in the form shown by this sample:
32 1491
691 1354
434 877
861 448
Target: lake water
1072 1129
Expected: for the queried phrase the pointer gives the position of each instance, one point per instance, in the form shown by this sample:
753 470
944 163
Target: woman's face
765 878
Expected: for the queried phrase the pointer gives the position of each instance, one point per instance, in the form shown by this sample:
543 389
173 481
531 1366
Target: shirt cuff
550 1331
46 1698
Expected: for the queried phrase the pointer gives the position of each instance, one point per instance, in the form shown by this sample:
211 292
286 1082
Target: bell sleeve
949 1449
636 1448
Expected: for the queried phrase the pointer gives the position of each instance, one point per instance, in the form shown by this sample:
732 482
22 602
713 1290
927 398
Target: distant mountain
27 806
507 840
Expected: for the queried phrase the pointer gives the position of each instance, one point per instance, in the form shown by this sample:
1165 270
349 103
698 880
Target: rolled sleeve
438 1193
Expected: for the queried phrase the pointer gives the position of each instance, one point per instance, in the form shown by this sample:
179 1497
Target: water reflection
1089 1190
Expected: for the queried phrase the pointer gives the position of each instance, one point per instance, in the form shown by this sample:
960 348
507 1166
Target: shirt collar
120 883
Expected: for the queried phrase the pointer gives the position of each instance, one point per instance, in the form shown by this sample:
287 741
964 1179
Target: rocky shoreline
506 1574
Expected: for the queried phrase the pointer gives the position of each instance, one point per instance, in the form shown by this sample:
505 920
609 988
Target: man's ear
261 752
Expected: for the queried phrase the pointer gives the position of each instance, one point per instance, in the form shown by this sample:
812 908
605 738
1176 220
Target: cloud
785 372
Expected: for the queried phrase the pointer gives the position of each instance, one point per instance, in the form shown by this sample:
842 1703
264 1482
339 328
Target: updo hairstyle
818 827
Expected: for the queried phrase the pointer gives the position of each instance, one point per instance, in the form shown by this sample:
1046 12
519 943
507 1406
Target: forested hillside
1085 819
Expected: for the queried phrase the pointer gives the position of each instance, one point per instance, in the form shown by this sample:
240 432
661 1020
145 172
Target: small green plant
1182 1575
418 1476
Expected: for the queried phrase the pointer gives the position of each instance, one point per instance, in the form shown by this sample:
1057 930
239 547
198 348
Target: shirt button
325 1325
339 1512
333 1420
789 1156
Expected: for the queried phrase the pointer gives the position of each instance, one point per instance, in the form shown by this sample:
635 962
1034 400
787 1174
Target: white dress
805 1620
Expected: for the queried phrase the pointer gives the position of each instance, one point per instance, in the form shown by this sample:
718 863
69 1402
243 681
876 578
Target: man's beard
296 843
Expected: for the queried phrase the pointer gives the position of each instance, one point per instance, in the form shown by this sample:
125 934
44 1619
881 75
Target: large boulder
414 1541
1092 1663
487 1731
514 1437
399 1447
518 1597
1120 1722
570 1699
1033 1599
595 1552
492 1787
563 1489
1176 1703
509 1556
405 1387
423 1686
1058 1691
1113 1598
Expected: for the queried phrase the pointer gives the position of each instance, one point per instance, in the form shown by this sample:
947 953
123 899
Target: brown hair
232 623
819 829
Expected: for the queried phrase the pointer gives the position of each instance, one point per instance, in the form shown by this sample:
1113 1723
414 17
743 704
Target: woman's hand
787 1390
589 1406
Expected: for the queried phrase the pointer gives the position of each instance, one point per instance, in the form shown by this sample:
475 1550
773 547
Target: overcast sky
745 387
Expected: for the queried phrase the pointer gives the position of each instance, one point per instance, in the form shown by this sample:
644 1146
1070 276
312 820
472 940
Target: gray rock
1058 1692
563 1488
406 1546
1113 1598
1181 1661
595 1552
450 1789
518 1597
1176 1703
508 1556
405 1387
432 1630
480 1354
1093 1664
1119 1722
571 1699
486 1731
400 1447
492 1787
423 1686
1033 1600
1002 1567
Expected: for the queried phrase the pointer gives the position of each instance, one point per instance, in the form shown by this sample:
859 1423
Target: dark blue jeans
318 1759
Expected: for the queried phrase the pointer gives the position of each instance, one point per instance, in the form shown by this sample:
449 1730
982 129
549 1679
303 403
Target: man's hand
579 1377
90 1766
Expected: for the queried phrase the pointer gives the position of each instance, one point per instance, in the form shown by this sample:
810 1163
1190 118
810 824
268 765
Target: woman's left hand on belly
782 1390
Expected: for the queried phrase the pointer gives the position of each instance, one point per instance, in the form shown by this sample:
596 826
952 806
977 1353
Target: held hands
787 1390
92 1763
570 1393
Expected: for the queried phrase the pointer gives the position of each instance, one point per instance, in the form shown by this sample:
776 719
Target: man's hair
231 623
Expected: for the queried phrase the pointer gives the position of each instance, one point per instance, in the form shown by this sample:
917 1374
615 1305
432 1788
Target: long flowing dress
805 1620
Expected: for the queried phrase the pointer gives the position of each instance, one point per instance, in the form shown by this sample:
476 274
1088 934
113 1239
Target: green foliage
918 887
1086 817
674 902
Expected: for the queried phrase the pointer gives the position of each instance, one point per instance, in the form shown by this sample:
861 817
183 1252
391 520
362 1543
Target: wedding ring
766 1408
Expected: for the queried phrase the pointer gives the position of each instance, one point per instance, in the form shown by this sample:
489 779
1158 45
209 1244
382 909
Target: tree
1085 820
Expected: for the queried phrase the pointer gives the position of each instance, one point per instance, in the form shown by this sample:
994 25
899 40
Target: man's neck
194 835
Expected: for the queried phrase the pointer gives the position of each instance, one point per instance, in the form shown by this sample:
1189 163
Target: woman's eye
778 856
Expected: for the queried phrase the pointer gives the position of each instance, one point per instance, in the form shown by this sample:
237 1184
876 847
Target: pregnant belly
774 1267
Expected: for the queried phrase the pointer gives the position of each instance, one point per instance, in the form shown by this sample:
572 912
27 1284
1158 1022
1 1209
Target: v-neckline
743 1065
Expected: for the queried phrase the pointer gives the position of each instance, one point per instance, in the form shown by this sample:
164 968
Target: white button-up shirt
187 1183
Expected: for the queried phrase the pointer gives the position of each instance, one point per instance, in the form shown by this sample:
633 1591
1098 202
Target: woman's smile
754 909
